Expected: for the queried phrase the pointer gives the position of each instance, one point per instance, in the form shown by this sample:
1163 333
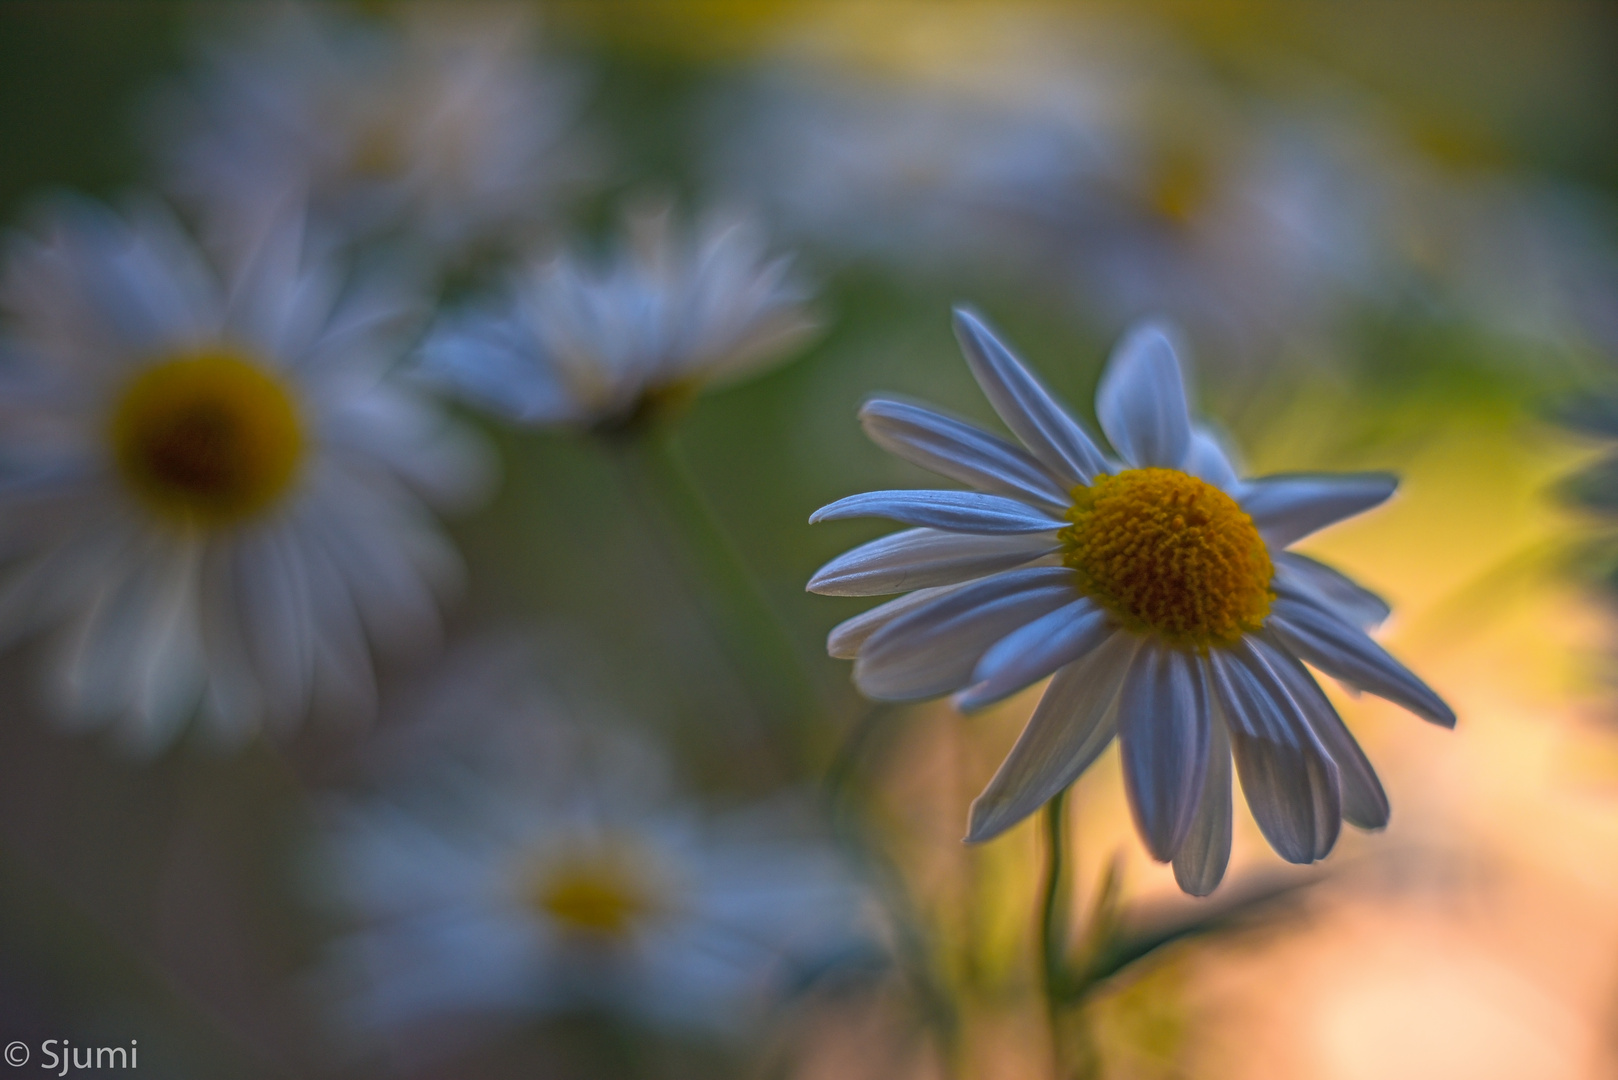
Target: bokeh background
1389 232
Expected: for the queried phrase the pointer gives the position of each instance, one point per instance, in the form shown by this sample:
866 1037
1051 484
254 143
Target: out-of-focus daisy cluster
409 417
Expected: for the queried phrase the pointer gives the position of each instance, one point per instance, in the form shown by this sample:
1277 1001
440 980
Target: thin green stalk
1053 930
760 648
845 763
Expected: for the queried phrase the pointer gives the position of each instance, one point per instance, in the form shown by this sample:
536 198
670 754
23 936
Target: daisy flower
1153 585
210 480
441 124
570 874
1255 228
584 343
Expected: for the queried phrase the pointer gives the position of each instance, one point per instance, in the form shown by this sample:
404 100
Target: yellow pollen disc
1169 555
594 895
207 438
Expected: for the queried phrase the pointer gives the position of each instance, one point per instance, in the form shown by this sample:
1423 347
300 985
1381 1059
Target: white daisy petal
345 670
1032 652
273 588
960 451
1208 461
1301 577
1290 781
1344 652
262 296
1365 803
1199 865
923 558
847 637
933 649
1141 401
168 675
954 511
1026 407
1163 732
107 637
1287 508
485 359
1071 726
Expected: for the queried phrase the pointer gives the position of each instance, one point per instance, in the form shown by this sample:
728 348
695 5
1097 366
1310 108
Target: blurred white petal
1141 401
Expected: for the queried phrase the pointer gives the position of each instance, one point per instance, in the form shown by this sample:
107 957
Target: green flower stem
1053 930
844 767
759 647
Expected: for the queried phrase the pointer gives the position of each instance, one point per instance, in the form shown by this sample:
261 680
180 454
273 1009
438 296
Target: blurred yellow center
1169 555
207 438
595 895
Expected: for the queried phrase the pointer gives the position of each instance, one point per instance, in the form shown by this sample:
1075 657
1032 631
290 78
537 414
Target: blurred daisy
1103 166
1157 589
570 875
608 344
209 476
1256 228
441 124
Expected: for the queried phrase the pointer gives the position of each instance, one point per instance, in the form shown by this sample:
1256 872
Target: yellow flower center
594 894
1169 555
207 438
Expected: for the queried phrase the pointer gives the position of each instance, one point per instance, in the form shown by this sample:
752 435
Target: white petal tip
966 702
979 829
1153 329
1201 890
976 835
969 325
985 823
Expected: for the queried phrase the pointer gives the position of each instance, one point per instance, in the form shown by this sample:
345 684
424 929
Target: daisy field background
1387 236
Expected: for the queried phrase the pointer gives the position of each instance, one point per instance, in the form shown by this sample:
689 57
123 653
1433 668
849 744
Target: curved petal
1072 725
1344 652
488 359
1288 507
1199 865
953 511
1163 732
1141 400
1027 408
960 451
848 636
1207 460
1291 782
1034 651
1365 803
1302 577
933 649
923 558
